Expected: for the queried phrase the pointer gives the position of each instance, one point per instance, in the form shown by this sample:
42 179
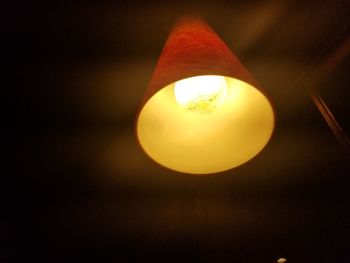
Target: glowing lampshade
202 112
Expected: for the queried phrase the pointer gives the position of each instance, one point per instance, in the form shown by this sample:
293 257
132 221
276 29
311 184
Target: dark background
76 185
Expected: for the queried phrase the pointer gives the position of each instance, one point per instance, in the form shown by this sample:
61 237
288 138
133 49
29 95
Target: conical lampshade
202 111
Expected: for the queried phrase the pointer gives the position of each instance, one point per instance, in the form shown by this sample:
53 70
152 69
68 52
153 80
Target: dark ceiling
79 188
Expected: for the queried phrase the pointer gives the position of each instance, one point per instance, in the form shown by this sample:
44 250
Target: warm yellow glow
201 94
281 260
233 133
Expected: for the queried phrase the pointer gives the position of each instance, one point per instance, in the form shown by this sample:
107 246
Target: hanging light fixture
202 111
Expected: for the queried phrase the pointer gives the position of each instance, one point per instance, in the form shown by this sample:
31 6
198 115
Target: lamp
202 111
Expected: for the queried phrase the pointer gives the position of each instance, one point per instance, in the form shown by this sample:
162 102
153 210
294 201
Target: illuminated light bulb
201 94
